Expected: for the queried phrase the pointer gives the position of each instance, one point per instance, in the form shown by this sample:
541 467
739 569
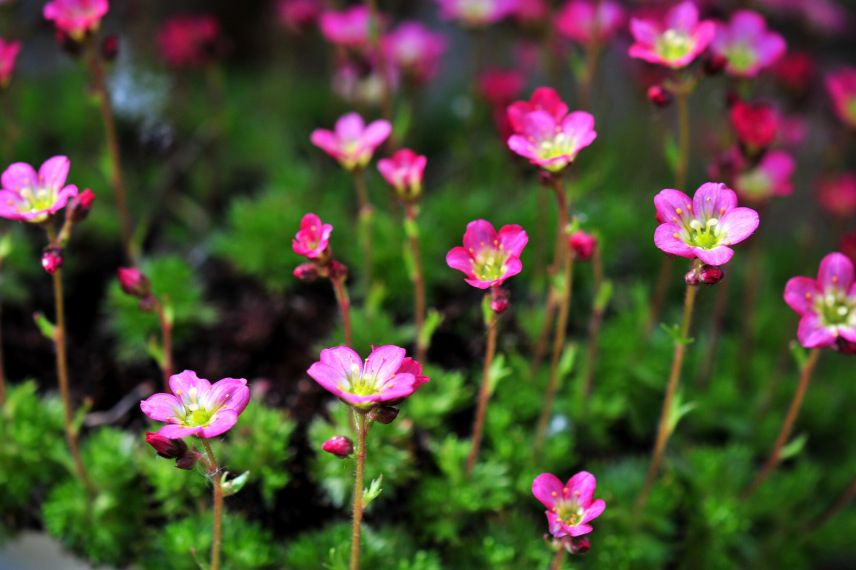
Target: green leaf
373 492
603 295
679 410
233 485
46 327
793 447
433 319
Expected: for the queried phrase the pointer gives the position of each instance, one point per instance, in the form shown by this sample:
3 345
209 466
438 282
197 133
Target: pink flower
296 15
570 507
746 44
499 86
188 40
476 12
134 282
583 245
771 177
587 22
8 55
676 41
348 28
531 11
385 377
404 172
33 197
488 258
76 17
339 445
550 143
705 226
841 87
196 407
543 99
827 305
313 239
756 125
361 82
838 195
353 143
415 49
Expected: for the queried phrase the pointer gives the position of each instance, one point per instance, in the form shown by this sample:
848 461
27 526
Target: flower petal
326 141
175 431
19 176
513 239
673 206
799 294
229 394
739 224
479 234
350 127
222 422
595 510
717 256
182 383
812 334
664 239
459 258
836 270
384 362
377 132
713 200
582 486
161 407
54 171
683 17
579 529
547 488
329 377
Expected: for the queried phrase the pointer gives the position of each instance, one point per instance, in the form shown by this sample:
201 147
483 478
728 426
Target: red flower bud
659 96
134 282
578 545
80 205
51 259
756 125
188 460
339 445
110 47
710 274
306 272
583 245
338 270
500 299
166 447
383 414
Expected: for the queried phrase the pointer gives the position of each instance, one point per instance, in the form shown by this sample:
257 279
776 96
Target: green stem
362 429
484 393
556 564
664 430
216 534
166 334
364 224
412 231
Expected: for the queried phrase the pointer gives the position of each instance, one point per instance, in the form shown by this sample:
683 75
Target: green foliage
176 284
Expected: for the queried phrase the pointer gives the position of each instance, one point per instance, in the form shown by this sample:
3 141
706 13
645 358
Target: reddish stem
344 306
484 393
166 334
418 279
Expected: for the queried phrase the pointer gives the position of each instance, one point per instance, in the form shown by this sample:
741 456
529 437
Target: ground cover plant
479 283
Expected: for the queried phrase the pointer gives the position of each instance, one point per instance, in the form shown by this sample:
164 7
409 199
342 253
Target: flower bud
80 205
110 47
692 277
545 178
188 460
383 414
845 346
578 545
711 274
583 245
339 445
166 447
306 272
51 259
659 96
134 282
500 299
714 64
337 269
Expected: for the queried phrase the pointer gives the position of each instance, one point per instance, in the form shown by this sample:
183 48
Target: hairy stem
556 563
484 392
216 533
362 429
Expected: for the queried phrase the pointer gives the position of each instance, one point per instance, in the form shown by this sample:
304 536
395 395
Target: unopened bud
80 206
166 447
583 245
845 346
68 44
545 177
500 299
383 414
134 282
188 460
710 274
306 272
337 269
51 259
714 64
578 545
659 96
339 445
110 47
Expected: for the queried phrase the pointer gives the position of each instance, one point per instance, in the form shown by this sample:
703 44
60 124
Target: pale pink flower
746 44
313 239
550 143
488 258
590 22
674 42
570 506
349 28
353 142
404 171
8 55
704 227
827 304
415 50
770 177
76 17
30 196
841 87
476 12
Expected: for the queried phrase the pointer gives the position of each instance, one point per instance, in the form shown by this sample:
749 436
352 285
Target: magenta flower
76 17
296 15
8 55
387 376
544 99
33 197
196 407
705 226
838 195
746 44
476 12
771 177
404 172
415 49
348 28
500 86
676 41
587 22
488 258
841 87
827 304
353 142
188 40
550 143
571 506
756 124
313 239
531 11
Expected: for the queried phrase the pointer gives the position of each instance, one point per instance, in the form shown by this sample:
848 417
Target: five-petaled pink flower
838 195
349 28
841 87
8 55
353 142
770 177
676 41
415 49
387 376
827 304
705 226
746 44
476 12
196 407
313 238
488 258
587 22
28 196
549 142
76 17
188 40
403 171
570 507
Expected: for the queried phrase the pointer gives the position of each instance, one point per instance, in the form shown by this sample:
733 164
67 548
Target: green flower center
835 309
37 199
559 145
673 45
569 512
741 56
755 184
489 264
360 384
706 235
195 414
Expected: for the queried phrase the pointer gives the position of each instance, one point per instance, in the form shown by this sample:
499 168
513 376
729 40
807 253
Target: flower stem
594 325
558 348
788 425
166 334
344 306
412 230
96 70
484 392
556 564
216 533
842 501
62 374
664 430
362 430
364 224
